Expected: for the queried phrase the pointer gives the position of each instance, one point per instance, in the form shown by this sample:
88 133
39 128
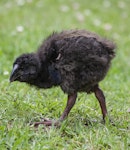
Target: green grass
20 104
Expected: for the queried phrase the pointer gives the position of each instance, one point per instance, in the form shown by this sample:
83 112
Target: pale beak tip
12 76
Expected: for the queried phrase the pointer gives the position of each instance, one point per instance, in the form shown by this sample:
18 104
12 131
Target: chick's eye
22 67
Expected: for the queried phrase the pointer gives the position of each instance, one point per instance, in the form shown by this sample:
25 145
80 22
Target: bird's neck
47 77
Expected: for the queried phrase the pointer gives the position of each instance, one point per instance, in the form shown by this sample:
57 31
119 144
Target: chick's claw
47 123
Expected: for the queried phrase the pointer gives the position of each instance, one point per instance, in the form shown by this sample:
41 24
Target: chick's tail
110 47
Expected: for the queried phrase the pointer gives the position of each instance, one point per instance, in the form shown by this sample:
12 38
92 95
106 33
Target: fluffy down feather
84 58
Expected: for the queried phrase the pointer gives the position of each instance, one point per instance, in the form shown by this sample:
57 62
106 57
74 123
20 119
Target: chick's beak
14 73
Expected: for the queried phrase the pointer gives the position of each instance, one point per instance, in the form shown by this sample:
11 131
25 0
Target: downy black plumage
75 60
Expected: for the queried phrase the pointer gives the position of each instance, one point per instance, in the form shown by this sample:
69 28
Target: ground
23 26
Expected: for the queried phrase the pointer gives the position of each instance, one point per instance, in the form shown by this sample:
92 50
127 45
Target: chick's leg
70 104
101 98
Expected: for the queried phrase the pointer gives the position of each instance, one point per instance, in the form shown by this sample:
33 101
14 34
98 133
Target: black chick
75 60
